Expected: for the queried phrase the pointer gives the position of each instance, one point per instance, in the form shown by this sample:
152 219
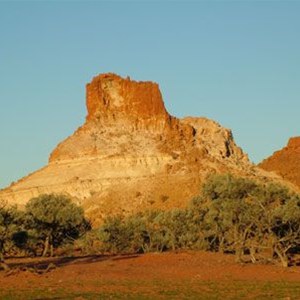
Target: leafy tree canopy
56 219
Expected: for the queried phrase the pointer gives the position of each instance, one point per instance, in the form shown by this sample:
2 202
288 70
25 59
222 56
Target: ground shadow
43 263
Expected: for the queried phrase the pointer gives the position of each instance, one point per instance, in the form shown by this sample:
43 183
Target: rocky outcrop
285 162
131 154
119 108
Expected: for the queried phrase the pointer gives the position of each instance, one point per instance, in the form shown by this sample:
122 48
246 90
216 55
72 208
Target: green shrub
56 220
232 214
10 225
244 216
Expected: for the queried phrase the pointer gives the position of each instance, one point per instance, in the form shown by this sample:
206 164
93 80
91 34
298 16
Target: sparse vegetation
256 222
232 215
246 217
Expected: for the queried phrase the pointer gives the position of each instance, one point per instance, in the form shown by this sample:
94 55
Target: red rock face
110 97
285 162
294 143
130 153
119 106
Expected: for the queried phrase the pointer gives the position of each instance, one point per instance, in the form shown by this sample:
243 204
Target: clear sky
237 62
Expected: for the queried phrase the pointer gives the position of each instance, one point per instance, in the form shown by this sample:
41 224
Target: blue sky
236 62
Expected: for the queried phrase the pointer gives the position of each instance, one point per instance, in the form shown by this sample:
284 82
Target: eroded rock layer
131 154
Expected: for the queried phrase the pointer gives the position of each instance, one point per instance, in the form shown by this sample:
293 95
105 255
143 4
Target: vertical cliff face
285 162
110 97
130 153
116 108
126 116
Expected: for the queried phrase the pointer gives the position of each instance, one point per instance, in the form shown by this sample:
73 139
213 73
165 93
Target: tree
227 186
9 222
231 216
140 232
286 229
277 226
115 235
56 219
245 216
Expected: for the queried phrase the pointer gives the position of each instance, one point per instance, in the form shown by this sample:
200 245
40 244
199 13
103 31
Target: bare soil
182 275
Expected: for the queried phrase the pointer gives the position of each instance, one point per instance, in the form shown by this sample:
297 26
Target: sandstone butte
131 154
285 162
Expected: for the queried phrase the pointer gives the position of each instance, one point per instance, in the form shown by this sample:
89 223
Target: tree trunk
3 265
46 247
51 250
283 257
221 245
252 254
239 251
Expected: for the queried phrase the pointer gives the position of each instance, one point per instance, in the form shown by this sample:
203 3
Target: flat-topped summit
120 110
131 154
119 106
109 97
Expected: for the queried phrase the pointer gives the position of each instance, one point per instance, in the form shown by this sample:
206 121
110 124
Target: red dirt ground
127 272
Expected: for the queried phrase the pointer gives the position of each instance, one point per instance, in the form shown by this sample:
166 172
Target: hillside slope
285 162
130 154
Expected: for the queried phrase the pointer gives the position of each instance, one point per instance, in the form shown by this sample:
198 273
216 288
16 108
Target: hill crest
131 154
285 162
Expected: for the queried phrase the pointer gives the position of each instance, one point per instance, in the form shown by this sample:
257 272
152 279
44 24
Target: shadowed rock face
285 162
131 154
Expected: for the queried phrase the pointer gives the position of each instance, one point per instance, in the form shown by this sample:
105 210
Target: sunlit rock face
130 154
285 162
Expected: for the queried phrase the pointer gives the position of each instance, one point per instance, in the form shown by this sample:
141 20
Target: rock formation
285 162
131 154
